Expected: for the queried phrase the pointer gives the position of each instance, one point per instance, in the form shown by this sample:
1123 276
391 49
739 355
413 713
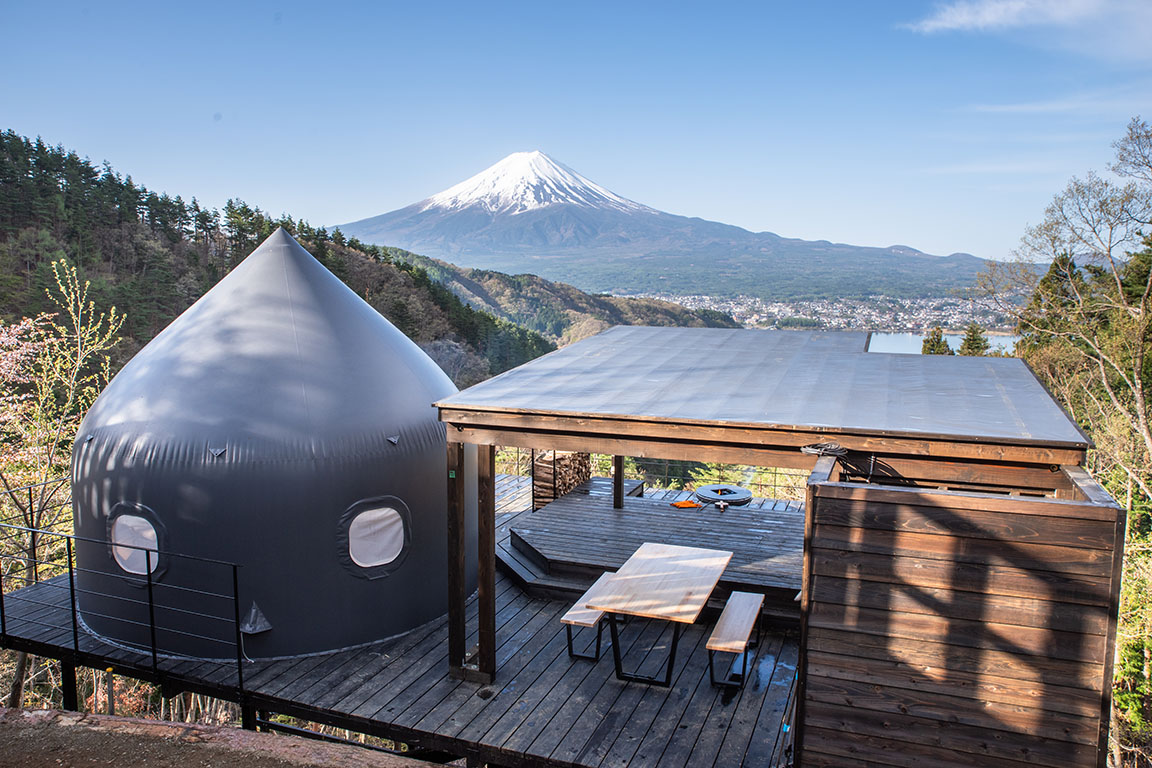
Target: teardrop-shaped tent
282 424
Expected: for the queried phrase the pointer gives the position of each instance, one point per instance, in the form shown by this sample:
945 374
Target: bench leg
729 681
759 630
666 681
588 657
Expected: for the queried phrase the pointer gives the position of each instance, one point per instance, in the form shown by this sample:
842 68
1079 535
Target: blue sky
944 126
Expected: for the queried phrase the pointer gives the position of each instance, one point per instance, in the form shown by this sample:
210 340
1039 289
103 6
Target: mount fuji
530 213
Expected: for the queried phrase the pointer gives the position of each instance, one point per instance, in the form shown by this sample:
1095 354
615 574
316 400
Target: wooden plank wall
958 629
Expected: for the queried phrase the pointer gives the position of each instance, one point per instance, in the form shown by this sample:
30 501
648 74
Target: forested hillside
152 255
558 310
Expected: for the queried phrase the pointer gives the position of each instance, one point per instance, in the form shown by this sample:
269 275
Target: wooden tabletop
663 581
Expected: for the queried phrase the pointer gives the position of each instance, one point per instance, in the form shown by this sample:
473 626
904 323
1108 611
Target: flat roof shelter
961 571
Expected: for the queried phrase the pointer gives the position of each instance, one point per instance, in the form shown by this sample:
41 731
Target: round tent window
376 537
131 535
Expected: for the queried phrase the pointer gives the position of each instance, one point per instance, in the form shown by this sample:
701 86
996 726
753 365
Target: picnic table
665 582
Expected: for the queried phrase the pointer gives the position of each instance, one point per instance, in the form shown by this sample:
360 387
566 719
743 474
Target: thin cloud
988 15
1114 30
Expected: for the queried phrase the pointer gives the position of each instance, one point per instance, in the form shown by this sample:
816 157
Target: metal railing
167 614
767 482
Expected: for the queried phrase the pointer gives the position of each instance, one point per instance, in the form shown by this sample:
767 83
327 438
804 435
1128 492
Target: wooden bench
732 633
580 615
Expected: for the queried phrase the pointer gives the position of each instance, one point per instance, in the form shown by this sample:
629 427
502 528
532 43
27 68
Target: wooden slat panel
979 524
1094 491
819 760
829 745
1023 641
950 628
971 501
991 715
982 746
1036 557
973 577
980 686
998 609
946 658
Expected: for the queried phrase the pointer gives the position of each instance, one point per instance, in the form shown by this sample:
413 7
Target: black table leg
666 681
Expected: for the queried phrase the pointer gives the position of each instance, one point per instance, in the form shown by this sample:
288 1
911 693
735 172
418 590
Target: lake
910 343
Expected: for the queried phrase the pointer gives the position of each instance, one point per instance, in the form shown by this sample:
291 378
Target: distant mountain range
531 214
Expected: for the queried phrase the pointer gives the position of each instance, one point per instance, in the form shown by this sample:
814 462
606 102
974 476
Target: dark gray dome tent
282 424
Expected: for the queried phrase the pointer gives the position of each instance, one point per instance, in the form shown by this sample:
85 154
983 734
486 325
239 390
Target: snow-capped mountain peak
525 181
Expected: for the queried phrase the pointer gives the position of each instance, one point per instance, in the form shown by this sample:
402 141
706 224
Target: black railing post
3 616
151 606
33 545
72 598
33 539
236 618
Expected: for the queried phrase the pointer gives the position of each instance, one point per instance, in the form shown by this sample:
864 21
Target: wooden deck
543 709
568 543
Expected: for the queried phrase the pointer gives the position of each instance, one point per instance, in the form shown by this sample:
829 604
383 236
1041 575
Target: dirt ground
34 738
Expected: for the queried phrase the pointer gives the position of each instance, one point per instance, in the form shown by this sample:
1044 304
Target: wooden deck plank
462 710
665 725
533 705
678 748
544 708
371 662
446 695
432 668
724 709
300 687
574 674
518 685
578 701
422 668
609 709
765 735
635 710
392 661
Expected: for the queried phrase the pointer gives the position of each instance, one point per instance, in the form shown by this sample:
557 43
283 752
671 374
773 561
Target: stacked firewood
555 473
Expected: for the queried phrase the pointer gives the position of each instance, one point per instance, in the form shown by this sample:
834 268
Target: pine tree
975 343
935 343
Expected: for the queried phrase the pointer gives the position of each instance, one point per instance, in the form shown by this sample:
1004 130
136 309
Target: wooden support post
456 543
247 715
68 684
486 540
618 482
110 690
